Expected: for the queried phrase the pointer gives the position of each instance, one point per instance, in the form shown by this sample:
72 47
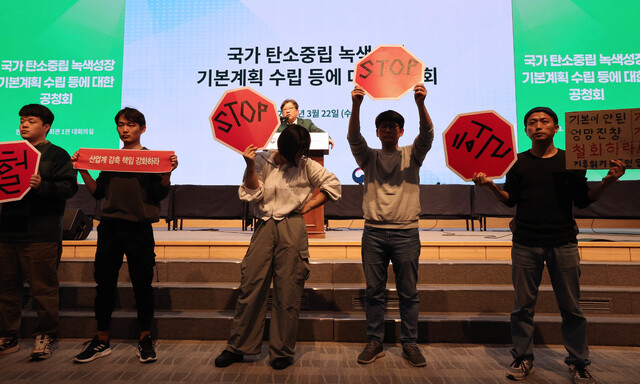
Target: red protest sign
124 160
479 142
19 160
243 117
388 72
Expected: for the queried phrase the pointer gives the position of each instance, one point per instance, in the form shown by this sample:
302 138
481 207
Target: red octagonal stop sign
479 142
388 72
19 160
243 117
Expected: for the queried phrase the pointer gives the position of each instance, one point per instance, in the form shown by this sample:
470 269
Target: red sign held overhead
19 160
479 142
243 117
388 72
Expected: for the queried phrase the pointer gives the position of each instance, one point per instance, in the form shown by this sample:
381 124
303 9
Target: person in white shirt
280 184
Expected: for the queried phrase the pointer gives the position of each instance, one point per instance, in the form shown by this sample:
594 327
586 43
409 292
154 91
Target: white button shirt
284 190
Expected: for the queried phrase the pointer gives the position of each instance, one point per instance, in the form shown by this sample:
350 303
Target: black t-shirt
38 216
129 196
544 192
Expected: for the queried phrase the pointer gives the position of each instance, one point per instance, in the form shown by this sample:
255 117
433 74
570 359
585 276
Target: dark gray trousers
563 263
278 252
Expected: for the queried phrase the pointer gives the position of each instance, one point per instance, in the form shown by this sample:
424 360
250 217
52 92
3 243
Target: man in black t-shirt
545 232
131 204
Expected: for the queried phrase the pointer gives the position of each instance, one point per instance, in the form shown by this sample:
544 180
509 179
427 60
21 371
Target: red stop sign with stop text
388 72
19 160
479 142
243 117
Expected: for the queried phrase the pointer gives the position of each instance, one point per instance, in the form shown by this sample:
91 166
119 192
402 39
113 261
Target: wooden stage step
443 298
466 301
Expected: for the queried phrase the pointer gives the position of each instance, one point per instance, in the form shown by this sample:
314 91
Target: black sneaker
226 358
519 369
413 355
9 345
580 375
93 349
371 352
42 349
280 363
146 351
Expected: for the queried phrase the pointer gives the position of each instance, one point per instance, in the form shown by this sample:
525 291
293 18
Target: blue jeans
402 248
563 263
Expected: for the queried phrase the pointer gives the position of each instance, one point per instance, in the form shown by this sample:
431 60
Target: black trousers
115 239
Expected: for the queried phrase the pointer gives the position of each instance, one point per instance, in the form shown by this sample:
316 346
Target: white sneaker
42 349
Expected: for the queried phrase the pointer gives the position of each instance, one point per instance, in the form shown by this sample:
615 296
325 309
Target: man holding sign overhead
545 231
391 210
131 204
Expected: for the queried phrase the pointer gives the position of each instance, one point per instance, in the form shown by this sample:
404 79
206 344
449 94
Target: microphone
283 119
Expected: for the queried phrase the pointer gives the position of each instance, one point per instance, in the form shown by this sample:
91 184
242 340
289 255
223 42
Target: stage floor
316 362
343 235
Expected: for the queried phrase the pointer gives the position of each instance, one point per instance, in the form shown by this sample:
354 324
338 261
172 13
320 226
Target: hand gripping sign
243 117
124 160
19 160
388 72
479 142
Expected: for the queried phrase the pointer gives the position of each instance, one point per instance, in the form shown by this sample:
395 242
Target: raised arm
357 95
251 177
424 140
420 93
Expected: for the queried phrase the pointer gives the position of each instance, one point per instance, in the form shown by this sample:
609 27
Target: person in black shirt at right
545 231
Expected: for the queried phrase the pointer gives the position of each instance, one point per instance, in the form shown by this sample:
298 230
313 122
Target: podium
318 149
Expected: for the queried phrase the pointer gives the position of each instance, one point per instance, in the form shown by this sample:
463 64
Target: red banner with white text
124 160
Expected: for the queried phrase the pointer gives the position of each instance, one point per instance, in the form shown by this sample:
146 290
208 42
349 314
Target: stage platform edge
621 245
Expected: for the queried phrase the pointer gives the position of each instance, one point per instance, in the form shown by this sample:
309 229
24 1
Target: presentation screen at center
179 60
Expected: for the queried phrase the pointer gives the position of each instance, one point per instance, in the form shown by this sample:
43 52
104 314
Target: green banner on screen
66 55
576 56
